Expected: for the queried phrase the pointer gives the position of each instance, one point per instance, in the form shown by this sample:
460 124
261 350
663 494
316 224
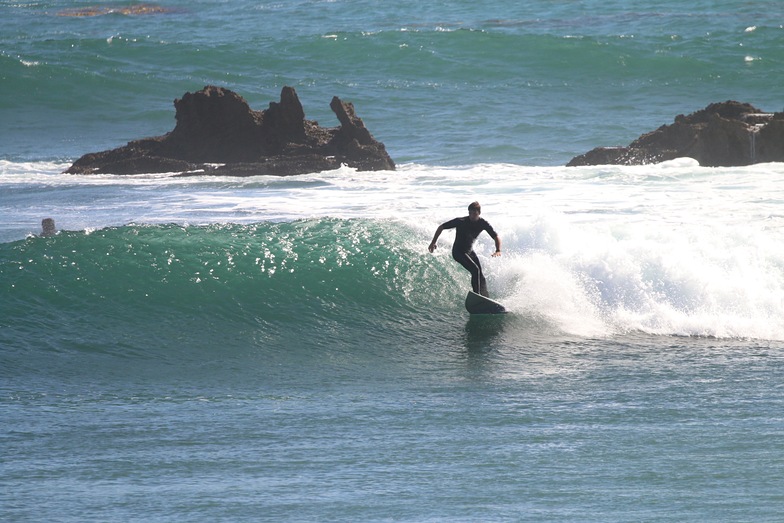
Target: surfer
468 228
48 227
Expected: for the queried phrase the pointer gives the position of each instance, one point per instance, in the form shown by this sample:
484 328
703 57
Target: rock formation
721 135
218 133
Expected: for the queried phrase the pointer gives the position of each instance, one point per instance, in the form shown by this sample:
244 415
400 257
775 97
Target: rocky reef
218 133
721 135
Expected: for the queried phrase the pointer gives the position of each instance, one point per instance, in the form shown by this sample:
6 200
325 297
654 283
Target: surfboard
478 304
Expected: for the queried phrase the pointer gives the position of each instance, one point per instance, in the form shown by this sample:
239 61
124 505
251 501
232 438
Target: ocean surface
286 349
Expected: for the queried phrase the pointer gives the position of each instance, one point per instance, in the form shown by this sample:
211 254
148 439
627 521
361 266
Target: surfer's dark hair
475 205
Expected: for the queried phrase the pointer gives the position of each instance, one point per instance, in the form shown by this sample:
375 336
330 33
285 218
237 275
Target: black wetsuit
463 248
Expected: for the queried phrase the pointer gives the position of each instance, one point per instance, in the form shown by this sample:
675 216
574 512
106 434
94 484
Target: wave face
145 296
311 293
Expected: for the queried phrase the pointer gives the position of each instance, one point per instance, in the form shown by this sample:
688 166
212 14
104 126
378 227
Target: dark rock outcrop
721 135
218 133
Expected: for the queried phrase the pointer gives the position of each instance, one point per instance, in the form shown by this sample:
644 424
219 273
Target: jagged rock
721 135
218 133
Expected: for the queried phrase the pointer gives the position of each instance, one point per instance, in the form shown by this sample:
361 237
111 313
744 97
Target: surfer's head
48 227
474 210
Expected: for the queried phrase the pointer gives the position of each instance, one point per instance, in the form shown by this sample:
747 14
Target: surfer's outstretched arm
497 241
433 245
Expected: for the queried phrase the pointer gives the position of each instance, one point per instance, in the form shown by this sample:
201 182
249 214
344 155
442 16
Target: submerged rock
218 133
721 135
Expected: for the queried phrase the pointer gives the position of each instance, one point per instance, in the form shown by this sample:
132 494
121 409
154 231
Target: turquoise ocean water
286 349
